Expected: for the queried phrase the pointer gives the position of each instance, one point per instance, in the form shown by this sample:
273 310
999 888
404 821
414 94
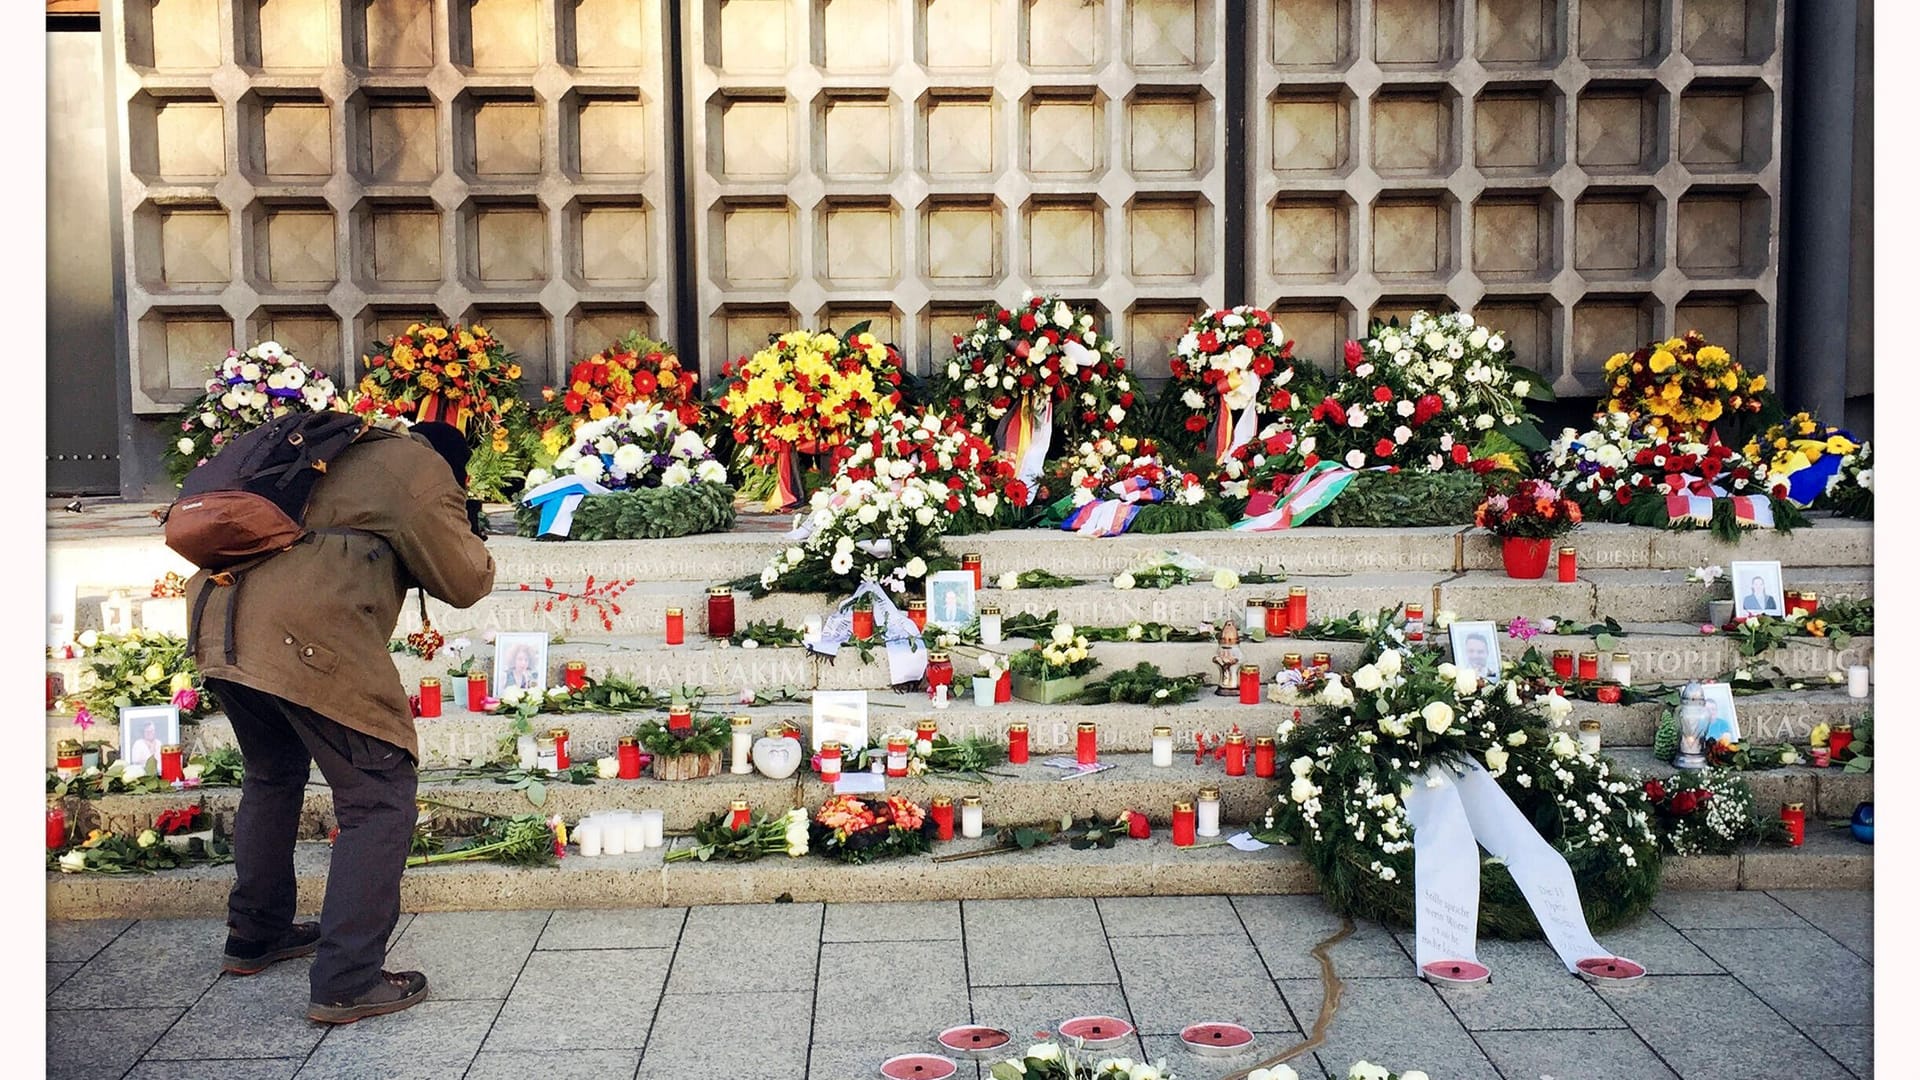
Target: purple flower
83 718
188 699
1522 629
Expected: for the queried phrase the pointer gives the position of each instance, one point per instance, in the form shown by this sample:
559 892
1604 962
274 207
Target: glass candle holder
899 753
970 562
1416 627
742 745
720 611
740 815
1857 680
971 817
1162 747
1236 754
1568 568
1017 744
939 672
629 755
1563 663
477 692
1207 819
1292 661
1793 816
990 625
1249 684
923 733
1265 761
562 747
1276 616
676 626
1256 619
1622 668
1086 743
1589 665
1322 661
546 755
679 719
917 614
1590 736
173 763
430 697
942 814
66 759
1184 825
1296 608
576 676
829 762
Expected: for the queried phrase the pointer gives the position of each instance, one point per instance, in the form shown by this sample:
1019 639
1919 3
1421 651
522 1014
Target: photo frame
1725 720
1476 645
1757 588
144 729
841 716
520 662
950 599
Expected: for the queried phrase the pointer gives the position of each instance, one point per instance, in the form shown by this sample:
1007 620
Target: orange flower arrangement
1535 510
856 831
634 369
459 374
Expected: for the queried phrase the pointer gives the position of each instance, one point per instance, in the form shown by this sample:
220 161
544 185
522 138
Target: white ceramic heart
777 758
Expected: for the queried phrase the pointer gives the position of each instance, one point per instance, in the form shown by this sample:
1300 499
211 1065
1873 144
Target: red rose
1004 315
1354 355
1027 322
574 402
1459 453
1382 395
953 504
1655 790
1383 448
1254 338
1196 423
1281 443
956 341
1426 408
1310 461
1336 411
1052 335
1036 302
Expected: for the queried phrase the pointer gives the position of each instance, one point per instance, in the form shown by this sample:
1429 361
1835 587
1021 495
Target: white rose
916 567
1388 663
1143 1071
868 514
1368 678
1558 707
1010 580
1496 760
1443 619
1402 433
1303 789
925 515
711 472
1278 1072
1337 695
1193 400
1123 581
1466 681
676 475
1301 766
1225 579
1521 387
1414 1075
89 638
1355 459
1484 421
1438 715
1367 1070
185 446
1405 408
1116 414
1062 633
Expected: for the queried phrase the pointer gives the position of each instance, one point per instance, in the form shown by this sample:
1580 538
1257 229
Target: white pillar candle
990 626
613 837
1590 736
983 691
742 744
812 632
1163 747
633 834
1623 669
1857 681
939 700
589 836
528 748
971 815
653 826
1207 813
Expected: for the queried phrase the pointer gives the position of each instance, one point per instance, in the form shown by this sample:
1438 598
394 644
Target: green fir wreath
642 514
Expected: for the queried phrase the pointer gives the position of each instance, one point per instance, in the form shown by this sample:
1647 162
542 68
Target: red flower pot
1525 556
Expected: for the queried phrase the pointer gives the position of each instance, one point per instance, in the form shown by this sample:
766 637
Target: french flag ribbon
1111 517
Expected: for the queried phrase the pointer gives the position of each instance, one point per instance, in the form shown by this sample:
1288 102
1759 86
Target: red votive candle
1809 603
1264 763
56 827
1086 743
1589 665
939 673
477 692
1291 661
720 611
1236 754
1563 663
1416 622
863 623
899 753
67 761
1839 737
1569 570
1276 617
742 815
1138 827
1794 816
680 719
629 757
1322 661
1017 744
924 732
170 764
971 562
1183 824
829 762
917 611
576 675
429 697
1003 688
561 741
942 814
1296 608
1249 684
676 626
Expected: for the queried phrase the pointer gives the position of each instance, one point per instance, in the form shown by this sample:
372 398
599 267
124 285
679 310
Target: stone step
458 736
1830 792
1830 860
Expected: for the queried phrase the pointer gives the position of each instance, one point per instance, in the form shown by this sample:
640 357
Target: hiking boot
393 991
253 957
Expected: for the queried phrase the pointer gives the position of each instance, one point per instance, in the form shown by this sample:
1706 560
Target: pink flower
1522 629
1708 628
83 719
188 700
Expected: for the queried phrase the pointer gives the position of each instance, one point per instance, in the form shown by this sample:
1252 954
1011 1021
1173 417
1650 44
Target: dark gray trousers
373 784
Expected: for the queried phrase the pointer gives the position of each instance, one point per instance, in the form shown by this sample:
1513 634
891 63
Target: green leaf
1007 1071
537 793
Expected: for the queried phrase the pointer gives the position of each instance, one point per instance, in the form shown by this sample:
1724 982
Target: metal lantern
1693 718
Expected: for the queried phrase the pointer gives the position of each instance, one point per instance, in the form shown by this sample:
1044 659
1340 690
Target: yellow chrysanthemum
1758 384
1661 361
513 371
429 381
1615 361
598 411
1714 354
437 333
455 370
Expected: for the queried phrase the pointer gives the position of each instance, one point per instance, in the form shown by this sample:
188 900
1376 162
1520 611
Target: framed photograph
950 599
1476 645
144 729
520 662
1757 589
1722 721
841 716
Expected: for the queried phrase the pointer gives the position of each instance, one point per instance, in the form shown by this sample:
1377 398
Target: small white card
860 783
1245 842
1071 769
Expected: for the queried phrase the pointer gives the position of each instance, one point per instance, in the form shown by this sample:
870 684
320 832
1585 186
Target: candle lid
1255 601
576 665
1235 737
557 733
1589 725
938 658
1263 740
672 611
1568 653
943 800
969 800
916 605
830 748
67 747
1162 731
1297 590
721 590
1784 807
1589 656
1622 658
1249 669
1290 658
900 741
1085 726
1209 794
679 710
927 725
171 749
629 740
1848 728
1809 597
545 743
1322 658
429 680
1416 609
738 805
990 609
1020 728
1566 551
971 556
476 676
1182 806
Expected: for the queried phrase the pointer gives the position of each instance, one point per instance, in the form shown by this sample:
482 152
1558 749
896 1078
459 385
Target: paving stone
86 1044
1162 916
1852 1044
258 1016
554 1064
1399 1023
1724 910
924 920
602 1000
468 955
831 1060
1286 928
156 962
691 1037
1664 950
1169 1050
629 928
1531 988
431 1041
1845 915
858 996
1060 942
1804 975
217 1069
1172 982
59 971
1680 1016
1032 1013
81 939
749 947
1611 1054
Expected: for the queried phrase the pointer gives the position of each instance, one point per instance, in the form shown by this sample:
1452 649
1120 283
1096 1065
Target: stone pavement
1747 984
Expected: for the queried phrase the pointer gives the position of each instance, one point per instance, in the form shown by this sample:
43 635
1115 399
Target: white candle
1162 747
653 827
1623 669
990 626
812 631
939 701
970 817
983 691
633 834
589 837
1207 813
529 750
1857 681
613 837
1590 736
742 744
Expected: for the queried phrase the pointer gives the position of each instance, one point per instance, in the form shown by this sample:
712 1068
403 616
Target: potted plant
1719 593
1054 670
687 754
986 685
1527 523
180 828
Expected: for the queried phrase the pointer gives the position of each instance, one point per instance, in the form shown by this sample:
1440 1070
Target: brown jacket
311 624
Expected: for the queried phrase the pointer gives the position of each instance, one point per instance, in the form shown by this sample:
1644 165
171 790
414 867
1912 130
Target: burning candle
1138 827
1607 693
429 697
477 691
829 762
654 824
942 814
720 611
56 826
1590 736
1416 622
1296 608
1276 616
1249 684
1291 661
989 625
1236 755
1563 663
576 675
1207 823
970 817
1322 661
1623 668
1857 681
971 563
1793 815
1162 747
1589 665
1838 739
170 763
546 754
676 626
741 815
917 612
562 747
1017 744
1256 619
589 836
939 672
742 745
899 750
1264 760
629 756
679 719
923 733
1086 748
1183 824
66 759
1568 569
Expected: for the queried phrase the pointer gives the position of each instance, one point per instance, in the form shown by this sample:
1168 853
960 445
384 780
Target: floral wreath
1619 472
1227 362
643 445
460 375
636 369
856 830
246 390
1680 387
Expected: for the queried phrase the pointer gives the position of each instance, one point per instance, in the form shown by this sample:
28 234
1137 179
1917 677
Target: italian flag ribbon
1311 492
1025 433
